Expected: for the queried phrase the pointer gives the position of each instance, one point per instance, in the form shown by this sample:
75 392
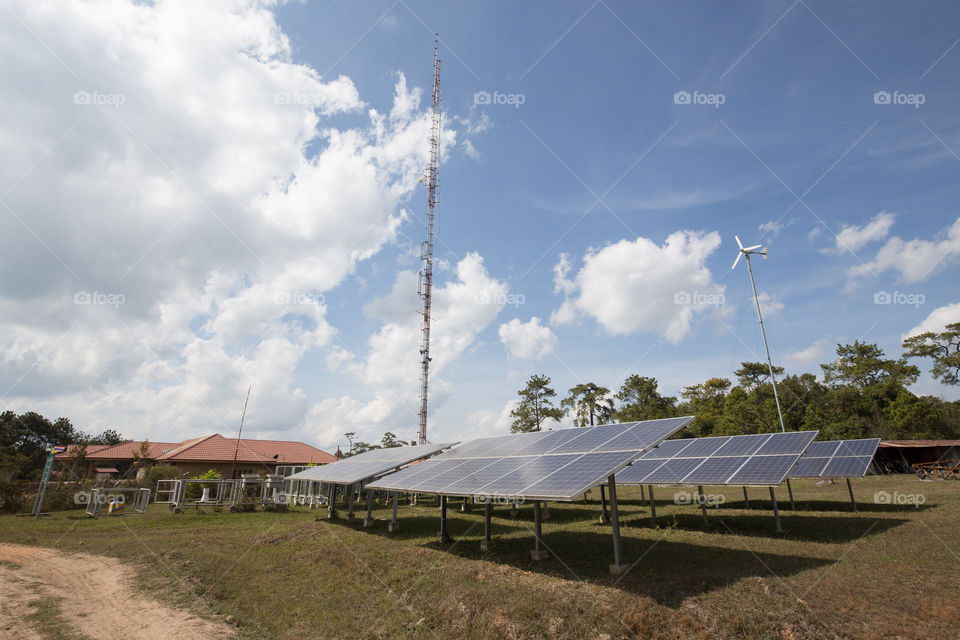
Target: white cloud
937 320
769 304
562 284
527 339
916 259
812 354
631 287
854 238
462 308
196 173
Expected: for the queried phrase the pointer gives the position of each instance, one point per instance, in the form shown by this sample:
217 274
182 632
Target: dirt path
97 598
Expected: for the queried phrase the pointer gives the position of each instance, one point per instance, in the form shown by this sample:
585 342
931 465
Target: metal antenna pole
236 450
427 273
763 333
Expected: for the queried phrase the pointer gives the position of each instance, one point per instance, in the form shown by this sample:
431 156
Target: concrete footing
619 569
393 528
367 523
542 554
486 547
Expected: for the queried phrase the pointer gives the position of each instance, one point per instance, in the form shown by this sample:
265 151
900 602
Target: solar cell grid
763 470
555 464
756 459
836 459
715 470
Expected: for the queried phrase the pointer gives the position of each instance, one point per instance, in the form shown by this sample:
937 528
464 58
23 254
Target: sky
201 198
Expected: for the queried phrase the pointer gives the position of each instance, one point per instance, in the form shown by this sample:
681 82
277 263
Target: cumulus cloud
463 307
639 286
179 204
854 238
815 353
937 320
915 259
527 339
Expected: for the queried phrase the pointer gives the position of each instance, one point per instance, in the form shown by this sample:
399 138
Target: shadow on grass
796 526
667 571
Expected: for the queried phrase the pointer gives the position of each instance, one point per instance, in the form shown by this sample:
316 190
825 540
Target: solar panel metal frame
590 454
836 459
369 464
760 460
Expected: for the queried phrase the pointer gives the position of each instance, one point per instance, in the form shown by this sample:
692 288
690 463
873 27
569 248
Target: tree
589 404
943 347
535 407
752 375
109 438
640 400
705 402
862 366
390 441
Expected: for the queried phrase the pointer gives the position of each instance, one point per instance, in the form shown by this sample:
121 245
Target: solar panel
369 464
755 459
551 465
836 459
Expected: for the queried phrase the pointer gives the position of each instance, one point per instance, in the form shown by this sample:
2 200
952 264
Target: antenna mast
426 283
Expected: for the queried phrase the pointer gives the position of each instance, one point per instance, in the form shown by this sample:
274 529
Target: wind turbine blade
736 261
756 246
740 244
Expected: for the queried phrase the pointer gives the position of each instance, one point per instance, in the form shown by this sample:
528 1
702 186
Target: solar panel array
548 465
836 459
369 464
757 459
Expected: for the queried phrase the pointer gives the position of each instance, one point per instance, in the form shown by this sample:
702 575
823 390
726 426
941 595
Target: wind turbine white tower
746 252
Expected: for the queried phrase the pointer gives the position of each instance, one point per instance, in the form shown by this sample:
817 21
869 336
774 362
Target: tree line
862 394
25 442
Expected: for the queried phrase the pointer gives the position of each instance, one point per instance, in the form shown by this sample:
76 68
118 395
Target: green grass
887 570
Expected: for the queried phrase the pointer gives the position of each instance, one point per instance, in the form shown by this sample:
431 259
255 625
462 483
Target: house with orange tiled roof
199 455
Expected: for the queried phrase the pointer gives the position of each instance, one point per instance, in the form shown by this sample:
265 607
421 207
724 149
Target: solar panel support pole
746 498
332 502
776 512
442 537
703 505
617 568
793 507
653 506
394 526
368 521
850 489
603 506
349 491
643 495
486 543
537 553
465 507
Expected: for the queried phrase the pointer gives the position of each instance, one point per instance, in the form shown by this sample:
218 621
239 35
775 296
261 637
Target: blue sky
622 147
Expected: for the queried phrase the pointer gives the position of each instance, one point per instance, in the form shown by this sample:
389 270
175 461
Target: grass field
888 570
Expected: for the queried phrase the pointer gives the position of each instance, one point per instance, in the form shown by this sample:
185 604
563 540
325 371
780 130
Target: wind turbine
746 252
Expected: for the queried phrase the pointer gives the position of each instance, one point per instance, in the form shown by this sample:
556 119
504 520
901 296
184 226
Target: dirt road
97 599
